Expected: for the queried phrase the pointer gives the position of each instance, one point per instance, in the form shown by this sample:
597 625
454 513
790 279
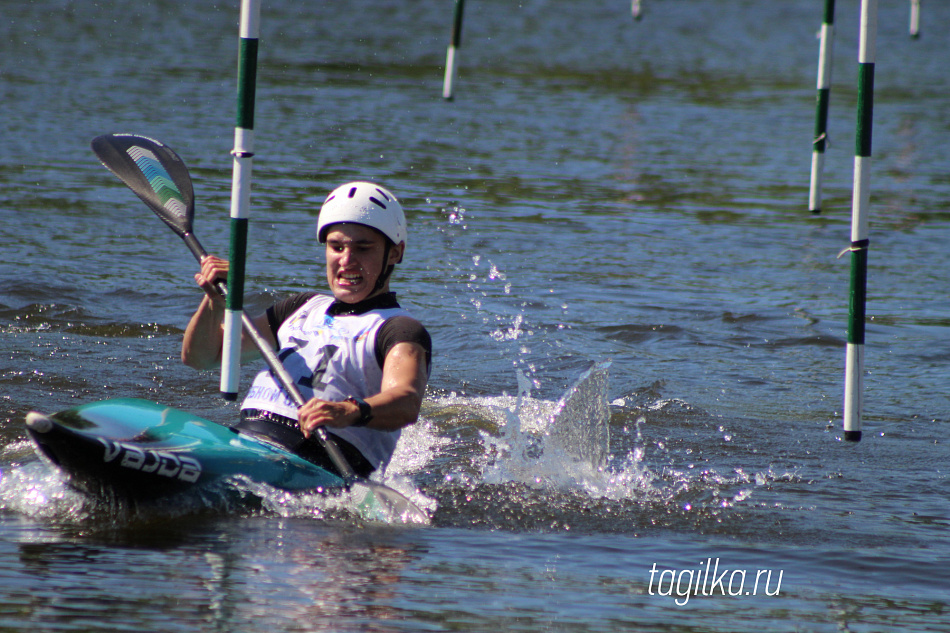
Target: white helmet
363 203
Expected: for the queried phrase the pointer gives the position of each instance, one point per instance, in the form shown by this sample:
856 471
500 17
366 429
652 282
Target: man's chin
350 295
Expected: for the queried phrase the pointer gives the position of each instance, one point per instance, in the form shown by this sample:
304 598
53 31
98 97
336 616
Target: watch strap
366 411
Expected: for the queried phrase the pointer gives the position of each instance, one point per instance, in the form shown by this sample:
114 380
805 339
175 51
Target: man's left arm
404 382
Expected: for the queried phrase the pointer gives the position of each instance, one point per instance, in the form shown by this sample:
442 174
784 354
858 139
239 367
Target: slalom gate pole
448 84
636 10
915 18
854 372
821 116
243 154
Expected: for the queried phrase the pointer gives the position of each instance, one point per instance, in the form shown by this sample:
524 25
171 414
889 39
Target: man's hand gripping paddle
157 175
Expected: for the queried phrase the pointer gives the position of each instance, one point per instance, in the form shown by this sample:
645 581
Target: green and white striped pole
448 84
854 372
821 117
915 18
636 10
243 154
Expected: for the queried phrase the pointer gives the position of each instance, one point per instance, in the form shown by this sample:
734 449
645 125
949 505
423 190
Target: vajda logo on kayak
163 464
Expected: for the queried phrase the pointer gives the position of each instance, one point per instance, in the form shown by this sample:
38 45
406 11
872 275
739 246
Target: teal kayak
137 449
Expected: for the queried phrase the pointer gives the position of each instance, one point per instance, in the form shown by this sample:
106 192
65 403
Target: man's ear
396 253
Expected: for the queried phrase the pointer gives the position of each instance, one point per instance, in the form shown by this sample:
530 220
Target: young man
358 358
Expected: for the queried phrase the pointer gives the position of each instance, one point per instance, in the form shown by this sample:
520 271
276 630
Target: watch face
366 410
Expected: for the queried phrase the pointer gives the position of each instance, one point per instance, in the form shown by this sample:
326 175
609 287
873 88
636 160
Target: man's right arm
204 336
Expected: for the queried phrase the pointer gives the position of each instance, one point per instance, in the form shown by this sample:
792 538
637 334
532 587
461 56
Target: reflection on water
274 573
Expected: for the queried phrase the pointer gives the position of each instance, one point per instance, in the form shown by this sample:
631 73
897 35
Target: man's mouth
350 279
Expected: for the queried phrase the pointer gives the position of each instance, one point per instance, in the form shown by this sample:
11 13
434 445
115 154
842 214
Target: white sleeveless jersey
332 358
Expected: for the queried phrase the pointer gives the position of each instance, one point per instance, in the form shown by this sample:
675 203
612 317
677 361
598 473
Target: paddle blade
376 502
154 172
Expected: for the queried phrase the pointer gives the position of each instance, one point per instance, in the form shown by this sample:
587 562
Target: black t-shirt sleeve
402 329
280 311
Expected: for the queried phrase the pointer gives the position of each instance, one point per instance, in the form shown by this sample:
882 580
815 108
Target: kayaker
361 361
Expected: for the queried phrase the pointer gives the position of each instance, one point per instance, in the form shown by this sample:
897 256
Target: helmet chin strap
387 269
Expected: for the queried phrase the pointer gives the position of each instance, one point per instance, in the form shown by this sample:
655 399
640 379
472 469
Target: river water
602 193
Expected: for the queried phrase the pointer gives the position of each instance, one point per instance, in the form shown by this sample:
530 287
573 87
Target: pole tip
230 397
852 436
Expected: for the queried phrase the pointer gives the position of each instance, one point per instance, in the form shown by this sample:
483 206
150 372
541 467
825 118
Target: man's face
355 261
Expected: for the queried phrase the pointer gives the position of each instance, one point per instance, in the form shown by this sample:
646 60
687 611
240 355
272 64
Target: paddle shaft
274 364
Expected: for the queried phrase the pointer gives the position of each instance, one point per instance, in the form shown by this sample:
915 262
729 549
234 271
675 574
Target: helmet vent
363 203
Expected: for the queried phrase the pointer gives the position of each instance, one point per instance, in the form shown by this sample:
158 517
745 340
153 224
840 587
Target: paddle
157 175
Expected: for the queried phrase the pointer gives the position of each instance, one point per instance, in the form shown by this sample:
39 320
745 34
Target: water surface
599 190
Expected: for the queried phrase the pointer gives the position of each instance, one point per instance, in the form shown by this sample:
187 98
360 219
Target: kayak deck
142 449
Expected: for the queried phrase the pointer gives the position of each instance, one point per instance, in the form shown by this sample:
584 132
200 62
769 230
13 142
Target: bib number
313 381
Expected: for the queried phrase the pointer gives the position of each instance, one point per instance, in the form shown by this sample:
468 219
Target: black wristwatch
366 411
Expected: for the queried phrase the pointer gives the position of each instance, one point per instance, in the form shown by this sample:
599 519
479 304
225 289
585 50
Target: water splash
582 462
41 492
561 446
580 424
